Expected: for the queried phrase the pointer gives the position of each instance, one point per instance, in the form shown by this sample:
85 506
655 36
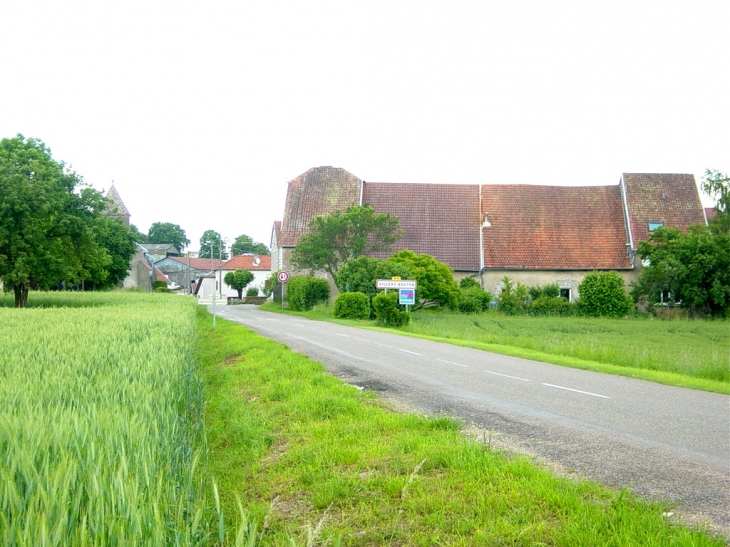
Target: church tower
117 209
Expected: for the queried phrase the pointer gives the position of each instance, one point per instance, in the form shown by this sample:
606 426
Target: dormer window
655 225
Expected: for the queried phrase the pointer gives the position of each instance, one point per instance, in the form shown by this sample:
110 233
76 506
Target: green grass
101 431
314 461
693 354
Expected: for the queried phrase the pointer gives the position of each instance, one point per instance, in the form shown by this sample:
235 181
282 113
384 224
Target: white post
214 295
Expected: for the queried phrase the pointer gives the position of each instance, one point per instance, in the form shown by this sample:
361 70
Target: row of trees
52 226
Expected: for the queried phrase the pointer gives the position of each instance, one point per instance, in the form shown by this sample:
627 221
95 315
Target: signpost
283 277
396 284
406 297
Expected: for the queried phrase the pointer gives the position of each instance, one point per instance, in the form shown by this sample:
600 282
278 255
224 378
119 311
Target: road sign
395 284
283 276
407 297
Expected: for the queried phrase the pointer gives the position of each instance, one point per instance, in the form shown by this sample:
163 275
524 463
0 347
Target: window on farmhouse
654 225
564 293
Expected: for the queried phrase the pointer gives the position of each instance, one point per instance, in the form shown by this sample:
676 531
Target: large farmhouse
532 234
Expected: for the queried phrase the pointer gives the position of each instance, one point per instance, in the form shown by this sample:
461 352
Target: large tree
238 280
245 244
211 243
333 240
167 232
690 268
48 221
120 243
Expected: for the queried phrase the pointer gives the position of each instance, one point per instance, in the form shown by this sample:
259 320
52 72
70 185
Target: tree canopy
51 229
339 237
245 244
167 232
435 279
361 274
717 186
238 280
212 243
690 268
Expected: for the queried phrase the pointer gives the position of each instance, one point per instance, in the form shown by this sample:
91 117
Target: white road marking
578 391
383 345
343 335
298 325
457 364
507 376
411 352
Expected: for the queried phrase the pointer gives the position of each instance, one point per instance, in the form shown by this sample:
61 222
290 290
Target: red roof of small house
319 192
671 199
248 262
202 264
553 227
441 220
159 276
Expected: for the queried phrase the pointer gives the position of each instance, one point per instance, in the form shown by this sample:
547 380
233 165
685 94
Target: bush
468 283
474 300
304 292
352 305
388 311
159 284
513 300
252 291
603 294
547 305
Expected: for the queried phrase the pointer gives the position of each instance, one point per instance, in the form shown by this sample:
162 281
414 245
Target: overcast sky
202 112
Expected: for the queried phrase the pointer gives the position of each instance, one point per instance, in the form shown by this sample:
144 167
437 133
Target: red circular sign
283 276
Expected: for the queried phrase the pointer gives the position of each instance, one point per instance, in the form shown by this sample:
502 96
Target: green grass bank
310 461
684 353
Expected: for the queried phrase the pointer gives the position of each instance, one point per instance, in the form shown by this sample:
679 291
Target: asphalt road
660 442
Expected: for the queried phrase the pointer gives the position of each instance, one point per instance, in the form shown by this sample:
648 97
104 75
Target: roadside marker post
214 295
283 277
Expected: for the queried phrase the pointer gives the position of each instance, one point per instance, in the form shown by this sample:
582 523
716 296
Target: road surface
661 442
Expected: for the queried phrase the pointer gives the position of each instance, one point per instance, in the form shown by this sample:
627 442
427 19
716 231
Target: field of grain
101 422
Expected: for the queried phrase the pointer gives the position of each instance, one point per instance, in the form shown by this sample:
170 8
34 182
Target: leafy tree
238 280
245 244
212 242
304 292
139 237
47 220
120 244
717 186
436 285
692 268
166 232
360 274
339 237
603 294
468 283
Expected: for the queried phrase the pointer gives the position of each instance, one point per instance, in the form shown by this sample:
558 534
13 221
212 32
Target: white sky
201 112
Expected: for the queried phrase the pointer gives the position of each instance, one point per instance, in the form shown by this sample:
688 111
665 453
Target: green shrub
388 311
159 284
547 305
161 289
304 292
603 294
551 290
252 291
513 300
352 305
468 283
474 300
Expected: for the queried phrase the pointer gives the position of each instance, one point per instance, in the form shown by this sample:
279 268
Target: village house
184 270
258 265
532 234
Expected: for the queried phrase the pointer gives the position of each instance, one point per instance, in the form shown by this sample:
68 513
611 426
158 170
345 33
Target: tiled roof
159 276
318 192
441 220
202 264
554 227
670 199
116 205
248 262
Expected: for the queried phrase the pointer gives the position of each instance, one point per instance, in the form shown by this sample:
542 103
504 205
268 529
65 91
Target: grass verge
309 460
693 354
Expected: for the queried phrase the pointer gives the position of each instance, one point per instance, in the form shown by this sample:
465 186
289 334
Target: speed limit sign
283 276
